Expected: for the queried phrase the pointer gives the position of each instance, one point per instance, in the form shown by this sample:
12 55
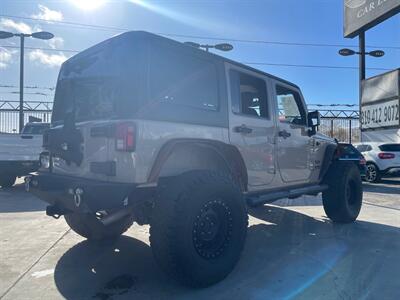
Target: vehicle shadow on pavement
15 199
395 181
383 189
287 254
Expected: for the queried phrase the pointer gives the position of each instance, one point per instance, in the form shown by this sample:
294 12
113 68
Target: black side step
269 197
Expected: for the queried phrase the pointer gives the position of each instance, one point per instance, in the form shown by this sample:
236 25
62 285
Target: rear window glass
364 148
390 147
349 151
181 79
102 84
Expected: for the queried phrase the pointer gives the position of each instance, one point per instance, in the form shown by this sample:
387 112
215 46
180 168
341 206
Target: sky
79 24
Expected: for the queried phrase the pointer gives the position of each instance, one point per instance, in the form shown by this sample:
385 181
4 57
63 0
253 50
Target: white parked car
382 159
19 153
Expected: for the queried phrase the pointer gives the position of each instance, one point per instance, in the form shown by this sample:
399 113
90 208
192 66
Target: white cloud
49 60
18 26
56 42
5 57
48 14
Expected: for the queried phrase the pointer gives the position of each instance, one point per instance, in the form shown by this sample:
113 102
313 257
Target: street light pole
361 42
21 83
362 53
42 35
361 46
221 47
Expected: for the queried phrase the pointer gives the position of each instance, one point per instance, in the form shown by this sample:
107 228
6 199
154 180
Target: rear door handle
284 134
243 129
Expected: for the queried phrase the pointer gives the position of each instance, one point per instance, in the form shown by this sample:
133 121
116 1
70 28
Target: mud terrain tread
168 208
334 200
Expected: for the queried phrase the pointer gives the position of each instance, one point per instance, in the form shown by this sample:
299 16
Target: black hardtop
144 35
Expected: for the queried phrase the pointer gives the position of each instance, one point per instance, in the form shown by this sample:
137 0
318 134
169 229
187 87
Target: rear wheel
198 227
372 174
90 227
343 199
7 181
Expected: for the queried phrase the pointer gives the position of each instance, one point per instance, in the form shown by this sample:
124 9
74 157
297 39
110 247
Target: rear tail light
385 155
125 137
363 161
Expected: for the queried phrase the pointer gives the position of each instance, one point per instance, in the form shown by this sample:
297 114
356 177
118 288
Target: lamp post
43 35
362 53
222 47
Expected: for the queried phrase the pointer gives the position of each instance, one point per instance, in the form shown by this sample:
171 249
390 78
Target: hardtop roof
151 36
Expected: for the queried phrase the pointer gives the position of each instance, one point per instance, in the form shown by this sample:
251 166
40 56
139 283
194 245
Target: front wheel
7 181
198 227
343 199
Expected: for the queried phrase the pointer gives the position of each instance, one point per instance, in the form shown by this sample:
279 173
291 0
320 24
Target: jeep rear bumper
72 194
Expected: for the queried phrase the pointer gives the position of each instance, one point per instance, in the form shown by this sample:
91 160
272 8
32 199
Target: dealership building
379 95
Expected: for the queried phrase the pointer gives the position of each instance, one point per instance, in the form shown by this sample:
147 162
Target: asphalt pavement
292 251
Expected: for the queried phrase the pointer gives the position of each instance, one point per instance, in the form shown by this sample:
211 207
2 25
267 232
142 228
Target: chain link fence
344 130
340 124
9 114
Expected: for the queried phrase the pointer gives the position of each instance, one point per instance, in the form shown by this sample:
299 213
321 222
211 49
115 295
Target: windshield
35 129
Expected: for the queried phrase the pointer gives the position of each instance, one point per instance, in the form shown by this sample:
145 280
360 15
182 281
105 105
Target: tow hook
77 193
55 211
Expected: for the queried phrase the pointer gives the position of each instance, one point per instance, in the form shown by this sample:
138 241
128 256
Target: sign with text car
360 15
380 102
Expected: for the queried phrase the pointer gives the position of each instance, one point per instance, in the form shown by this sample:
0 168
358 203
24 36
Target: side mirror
314 120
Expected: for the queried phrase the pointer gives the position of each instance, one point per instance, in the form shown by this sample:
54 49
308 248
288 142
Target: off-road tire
343 199
88 226
179 220
371 167
7 181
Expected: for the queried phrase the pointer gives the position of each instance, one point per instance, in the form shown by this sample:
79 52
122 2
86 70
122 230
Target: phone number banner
380 101
380 115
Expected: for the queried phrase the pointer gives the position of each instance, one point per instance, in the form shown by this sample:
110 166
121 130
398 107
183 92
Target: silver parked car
149 130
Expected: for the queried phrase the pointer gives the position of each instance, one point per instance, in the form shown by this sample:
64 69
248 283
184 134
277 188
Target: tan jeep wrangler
149 130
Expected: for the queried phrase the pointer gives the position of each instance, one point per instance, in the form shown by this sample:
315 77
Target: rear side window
180 79
390 147
249 95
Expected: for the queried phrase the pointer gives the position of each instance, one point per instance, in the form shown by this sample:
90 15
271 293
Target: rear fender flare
221 155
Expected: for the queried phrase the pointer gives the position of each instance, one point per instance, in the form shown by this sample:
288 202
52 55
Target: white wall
384 135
